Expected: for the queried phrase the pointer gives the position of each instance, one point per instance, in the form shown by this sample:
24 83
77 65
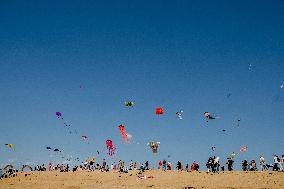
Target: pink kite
58 114
110 147
244 149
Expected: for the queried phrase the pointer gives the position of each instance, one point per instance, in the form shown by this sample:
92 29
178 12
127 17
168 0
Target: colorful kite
233 155
129 103
208 116
110 147
58 114
10 146
154 146
243 149
122 132
179 114
159 111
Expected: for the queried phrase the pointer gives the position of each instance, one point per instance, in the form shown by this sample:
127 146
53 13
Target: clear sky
86 58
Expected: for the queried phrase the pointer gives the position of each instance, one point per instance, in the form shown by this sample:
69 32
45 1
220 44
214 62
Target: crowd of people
213 165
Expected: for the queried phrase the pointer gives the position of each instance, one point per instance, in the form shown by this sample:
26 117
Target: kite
122 132
250 67
159 111
58 114
213 148
239 120
282 86
233 155
244 149
223 130
154 146
110 147
48 148
10 146
208 116
179 114
85 138
56 150
129 103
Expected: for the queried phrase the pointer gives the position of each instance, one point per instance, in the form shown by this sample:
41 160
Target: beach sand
169 179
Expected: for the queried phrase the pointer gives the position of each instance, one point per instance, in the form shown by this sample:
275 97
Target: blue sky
86 58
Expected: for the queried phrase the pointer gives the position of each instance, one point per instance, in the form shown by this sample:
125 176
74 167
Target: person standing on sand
178 167
164 165
276 166
131 165
263 166
281 163
187 167
230 163
169 165
104 165
245 165
160 165
146 165
135 165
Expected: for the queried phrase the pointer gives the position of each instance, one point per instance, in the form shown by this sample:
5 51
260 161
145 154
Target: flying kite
239 120
213 148
48 148
159 111
58 114
129 103
84 137
56 150
179 114
122 132
110 147
208 116
154 146
10 146
233 155
243 149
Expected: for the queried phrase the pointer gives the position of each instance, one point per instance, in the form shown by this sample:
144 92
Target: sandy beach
158 179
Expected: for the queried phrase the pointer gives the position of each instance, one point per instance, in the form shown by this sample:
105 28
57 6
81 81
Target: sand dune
170 179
